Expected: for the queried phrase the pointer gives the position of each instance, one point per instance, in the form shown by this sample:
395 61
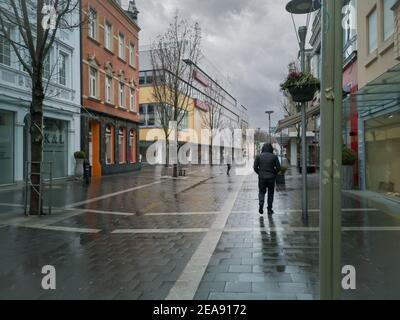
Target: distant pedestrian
267 166
228 161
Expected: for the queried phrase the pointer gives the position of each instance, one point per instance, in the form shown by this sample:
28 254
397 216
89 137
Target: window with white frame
109 82
62 68
93 82
5 51
132 54
108 36
121 46
92 21
372 31
132 99
388 18
121 94
47 67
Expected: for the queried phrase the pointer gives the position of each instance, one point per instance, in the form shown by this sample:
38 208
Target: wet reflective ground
146 236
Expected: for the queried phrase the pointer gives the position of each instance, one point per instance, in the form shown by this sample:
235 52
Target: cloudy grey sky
252 41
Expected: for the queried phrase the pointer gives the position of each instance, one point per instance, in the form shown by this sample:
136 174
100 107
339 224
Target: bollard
87 172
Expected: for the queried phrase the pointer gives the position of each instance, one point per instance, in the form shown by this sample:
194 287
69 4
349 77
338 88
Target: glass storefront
6 147
382 154
55 146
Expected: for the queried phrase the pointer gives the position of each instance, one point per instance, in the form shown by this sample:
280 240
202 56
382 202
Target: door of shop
94 148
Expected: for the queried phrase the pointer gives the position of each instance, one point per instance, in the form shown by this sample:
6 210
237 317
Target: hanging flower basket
301 86
304 93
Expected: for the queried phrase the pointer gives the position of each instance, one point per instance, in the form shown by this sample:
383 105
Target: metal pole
281 149
330 176
269 128
302 36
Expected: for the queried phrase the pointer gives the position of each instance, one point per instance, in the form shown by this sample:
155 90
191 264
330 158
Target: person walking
228 162
267 166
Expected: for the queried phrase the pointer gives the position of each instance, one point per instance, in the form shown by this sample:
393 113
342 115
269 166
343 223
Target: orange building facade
110 79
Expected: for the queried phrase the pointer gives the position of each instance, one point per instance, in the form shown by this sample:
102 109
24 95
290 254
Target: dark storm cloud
250 41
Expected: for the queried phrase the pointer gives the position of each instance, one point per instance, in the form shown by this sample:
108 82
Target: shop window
6 147
382 146
132 146
122 145
109 144
55 146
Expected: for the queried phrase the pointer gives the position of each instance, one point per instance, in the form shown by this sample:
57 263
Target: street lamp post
330 137
303 7
331 150
269 125
302 37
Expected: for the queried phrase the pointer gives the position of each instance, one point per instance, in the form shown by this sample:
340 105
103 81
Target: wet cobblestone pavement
147 236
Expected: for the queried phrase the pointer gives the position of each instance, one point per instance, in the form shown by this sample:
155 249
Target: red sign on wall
201 105
200 78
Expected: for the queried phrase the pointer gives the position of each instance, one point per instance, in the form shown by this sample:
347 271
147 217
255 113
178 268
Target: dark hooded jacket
267 165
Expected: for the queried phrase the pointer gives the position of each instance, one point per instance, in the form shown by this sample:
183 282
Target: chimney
133 11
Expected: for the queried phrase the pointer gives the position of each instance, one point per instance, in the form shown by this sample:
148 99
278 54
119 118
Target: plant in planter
301 86
348 162
280 177
79 160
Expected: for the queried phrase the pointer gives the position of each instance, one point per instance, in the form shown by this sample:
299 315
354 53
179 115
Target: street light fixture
269 126
303 6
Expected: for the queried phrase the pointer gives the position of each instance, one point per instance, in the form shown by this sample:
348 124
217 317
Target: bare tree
173 56
212 119
30 28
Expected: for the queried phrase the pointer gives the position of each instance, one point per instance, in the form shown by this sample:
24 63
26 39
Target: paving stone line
186 286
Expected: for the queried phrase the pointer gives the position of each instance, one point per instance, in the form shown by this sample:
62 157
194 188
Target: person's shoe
270 212
261 210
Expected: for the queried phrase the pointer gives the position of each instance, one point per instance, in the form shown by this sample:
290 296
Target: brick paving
142 243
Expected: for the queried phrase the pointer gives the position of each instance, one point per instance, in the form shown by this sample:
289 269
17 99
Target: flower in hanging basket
301 86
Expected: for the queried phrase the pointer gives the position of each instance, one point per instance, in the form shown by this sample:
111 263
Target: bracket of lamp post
329 94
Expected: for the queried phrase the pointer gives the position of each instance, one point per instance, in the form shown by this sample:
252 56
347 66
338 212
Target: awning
381 93
296 118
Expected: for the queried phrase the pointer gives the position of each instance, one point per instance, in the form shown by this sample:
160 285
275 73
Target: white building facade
61 108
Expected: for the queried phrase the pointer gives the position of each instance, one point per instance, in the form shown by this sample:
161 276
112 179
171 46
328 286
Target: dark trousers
229 169
263 186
